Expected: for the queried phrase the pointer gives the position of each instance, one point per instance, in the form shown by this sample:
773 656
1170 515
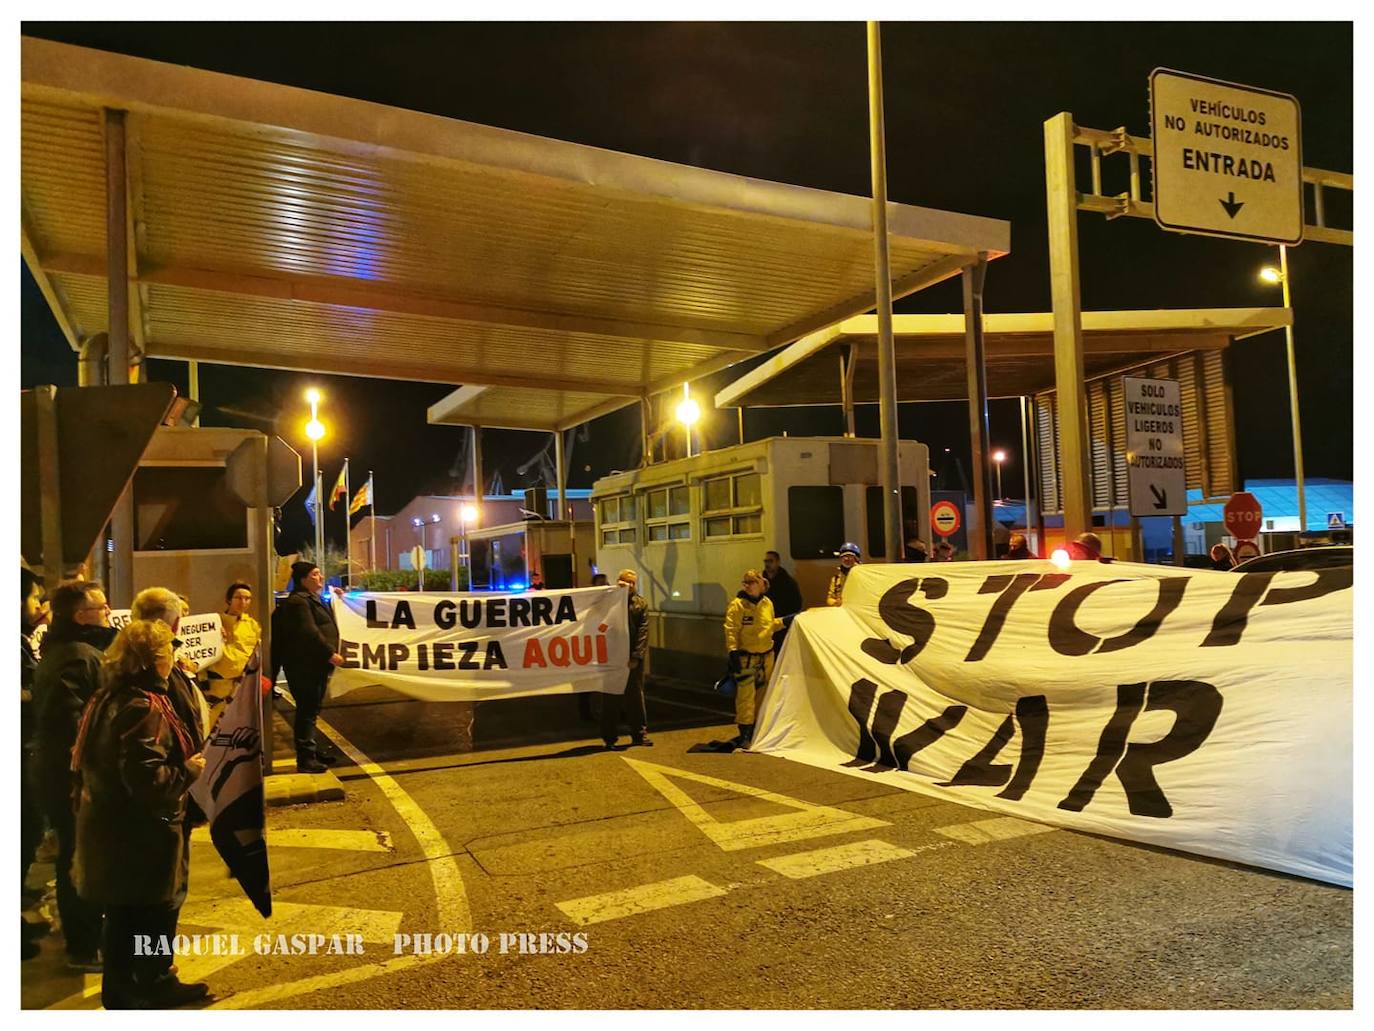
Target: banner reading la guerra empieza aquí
476 647
1197 710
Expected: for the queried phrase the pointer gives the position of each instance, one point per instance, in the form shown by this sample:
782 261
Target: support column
1061 194
121 586
193 386
1039 480
646 454
561 475
889 471
980 526
1025 461
1293 391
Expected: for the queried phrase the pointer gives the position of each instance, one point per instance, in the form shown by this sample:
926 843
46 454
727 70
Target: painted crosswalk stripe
645 898
307 837
1001 828
800 865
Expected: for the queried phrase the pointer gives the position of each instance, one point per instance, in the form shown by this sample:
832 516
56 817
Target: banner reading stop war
477 647
1197 710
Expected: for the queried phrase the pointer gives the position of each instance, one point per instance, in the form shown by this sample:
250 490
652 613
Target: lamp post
998 457
467 515
314 429
1279 276
688 412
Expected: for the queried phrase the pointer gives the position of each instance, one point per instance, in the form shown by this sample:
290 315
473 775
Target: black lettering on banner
1229 625
542 608
496 612
374 656
567 611
395 655
906 746
876 743
496 658
470 614
903 618
1008 588
422 657
1033 717
1196 705
445 615
373 623
469 650
443 655
1067 638
519 612
348 650
402 617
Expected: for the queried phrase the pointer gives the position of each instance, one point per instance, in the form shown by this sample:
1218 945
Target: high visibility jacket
241 637
834 595
749 624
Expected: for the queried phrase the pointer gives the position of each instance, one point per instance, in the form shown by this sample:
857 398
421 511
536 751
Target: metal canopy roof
284 228
1019 350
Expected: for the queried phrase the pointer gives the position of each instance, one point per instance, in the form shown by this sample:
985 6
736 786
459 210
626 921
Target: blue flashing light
516 585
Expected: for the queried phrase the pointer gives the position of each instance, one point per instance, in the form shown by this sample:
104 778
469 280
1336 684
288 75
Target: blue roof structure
1279 499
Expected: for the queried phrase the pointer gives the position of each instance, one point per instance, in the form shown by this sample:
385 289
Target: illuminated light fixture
999 456
314 429
1270 275
313 396
688 412
1061 558
468 513
434 518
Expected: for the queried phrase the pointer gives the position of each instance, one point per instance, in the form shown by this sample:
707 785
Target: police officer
849 558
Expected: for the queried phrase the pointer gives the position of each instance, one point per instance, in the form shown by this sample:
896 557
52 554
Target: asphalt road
720 881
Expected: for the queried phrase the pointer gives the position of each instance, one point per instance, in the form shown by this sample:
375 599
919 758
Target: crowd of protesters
113 730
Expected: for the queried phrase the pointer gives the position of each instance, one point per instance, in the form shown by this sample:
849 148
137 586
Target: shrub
406 579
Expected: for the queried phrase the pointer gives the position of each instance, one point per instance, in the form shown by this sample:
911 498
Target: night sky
787 102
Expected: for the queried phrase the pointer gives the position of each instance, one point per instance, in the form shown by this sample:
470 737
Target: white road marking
643 898
451 898
810 820
236 915
1001 828
801 865
275 992
308 837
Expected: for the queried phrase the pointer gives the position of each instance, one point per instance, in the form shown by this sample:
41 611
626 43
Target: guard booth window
667 514
873 504
184 508
815 521
618 519
732 506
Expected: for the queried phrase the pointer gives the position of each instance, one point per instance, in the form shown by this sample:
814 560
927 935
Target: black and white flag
230 790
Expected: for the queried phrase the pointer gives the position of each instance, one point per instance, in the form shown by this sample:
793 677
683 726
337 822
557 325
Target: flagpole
348 529
372 502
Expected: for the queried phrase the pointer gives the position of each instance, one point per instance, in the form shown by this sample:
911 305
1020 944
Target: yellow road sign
1227 158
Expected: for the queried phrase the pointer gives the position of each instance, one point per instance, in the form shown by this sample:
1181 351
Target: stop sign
1243 516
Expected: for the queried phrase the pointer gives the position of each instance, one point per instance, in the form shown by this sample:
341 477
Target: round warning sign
945 518
1245 549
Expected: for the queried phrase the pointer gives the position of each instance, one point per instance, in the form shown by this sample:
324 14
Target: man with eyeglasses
67 675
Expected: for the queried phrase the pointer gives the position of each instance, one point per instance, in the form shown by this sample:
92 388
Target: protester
33 614
68 673
849 558
305 644
749 627
1017 547
242 634
916 551
944 552
537 581
1222 558
135 758
633 698
1086 547
600 580
783 591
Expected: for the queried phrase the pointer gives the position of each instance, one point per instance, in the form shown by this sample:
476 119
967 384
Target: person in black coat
305 644
67 675
783 591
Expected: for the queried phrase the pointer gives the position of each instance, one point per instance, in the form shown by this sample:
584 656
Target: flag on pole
362 499
230 793
340 487
311 504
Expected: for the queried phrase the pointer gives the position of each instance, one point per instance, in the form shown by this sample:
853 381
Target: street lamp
314 430
688 412
467 516
1279 277
998 457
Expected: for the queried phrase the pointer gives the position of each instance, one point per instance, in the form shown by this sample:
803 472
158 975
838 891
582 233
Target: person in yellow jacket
849 558
749 628
241 636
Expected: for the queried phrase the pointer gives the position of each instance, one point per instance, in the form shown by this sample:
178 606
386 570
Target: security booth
838 366
506 557
690 528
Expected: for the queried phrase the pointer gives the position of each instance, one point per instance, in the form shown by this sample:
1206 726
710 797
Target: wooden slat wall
1207 431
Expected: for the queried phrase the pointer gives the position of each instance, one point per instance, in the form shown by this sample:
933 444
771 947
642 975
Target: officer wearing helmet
849 558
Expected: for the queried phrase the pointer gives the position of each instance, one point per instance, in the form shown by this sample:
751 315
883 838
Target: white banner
201 637
476 647
1197 710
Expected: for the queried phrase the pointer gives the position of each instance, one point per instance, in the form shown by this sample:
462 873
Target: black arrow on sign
1232 205
1161 496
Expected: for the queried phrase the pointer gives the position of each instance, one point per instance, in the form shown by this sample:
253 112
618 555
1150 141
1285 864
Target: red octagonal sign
1243 516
